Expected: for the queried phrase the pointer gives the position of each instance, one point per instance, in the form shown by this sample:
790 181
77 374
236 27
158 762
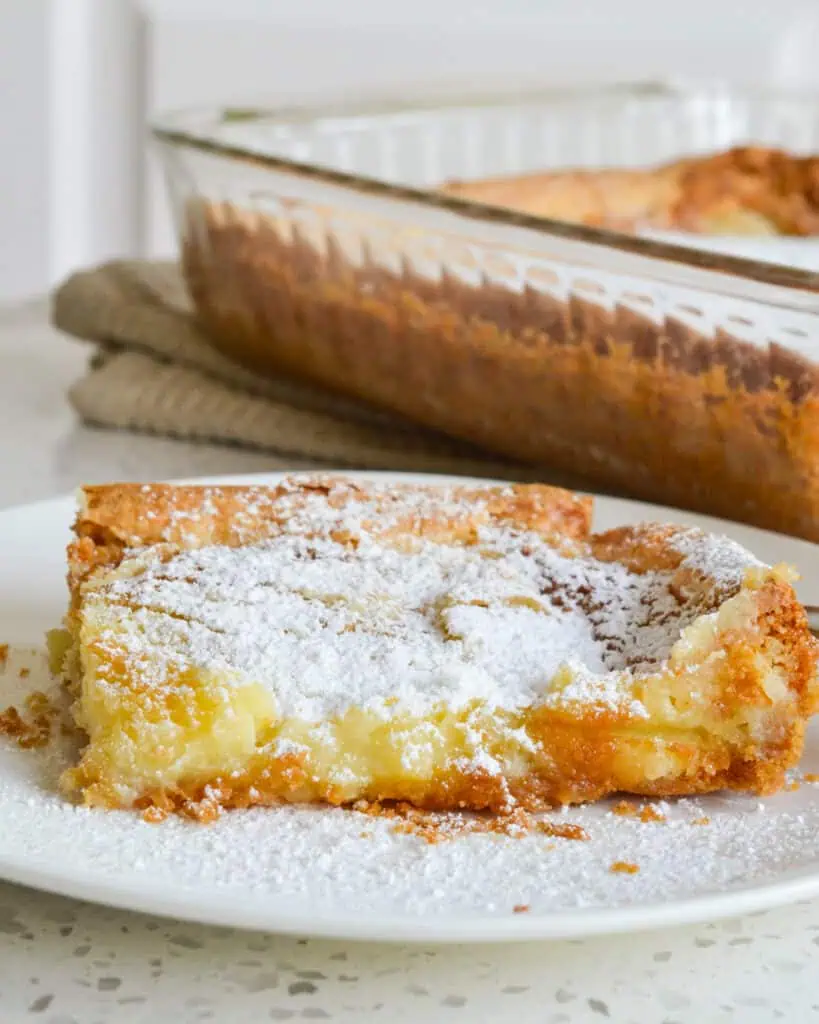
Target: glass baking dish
314 244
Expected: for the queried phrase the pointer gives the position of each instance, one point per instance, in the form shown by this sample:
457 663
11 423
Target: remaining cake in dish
455 647
750 190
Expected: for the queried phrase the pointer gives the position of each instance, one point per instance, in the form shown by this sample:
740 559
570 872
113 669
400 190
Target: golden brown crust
643 548
746 190
114 518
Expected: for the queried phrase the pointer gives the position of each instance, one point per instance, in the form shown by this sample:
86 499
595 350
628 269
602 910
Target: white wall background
24 219
72 99
79 78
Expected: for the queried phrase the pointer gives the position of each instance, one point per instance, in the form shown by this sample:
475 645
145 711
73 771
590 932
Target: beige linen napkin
154 371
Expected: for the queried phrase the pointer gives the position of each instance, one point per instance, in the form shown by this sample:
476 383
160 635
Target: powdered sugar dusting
721 558
319 861
336 611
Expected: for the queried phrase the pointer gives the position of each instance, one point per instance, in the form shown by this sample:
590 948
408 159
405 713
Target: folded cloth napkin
154 370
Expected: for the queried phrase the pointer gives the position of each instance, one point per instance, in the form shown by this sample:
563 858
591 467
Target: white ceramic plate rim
270 914
255 914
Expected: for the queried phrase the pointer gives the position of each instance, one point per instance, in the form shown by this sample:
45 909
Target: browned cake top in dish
749 190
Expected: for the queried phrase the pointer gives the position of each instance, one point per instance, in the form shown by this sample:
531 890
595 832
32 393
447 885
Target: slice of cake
454 647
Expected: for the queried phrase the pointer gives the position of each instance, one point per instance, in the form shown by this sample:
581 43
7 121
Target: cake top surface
358 599
745 190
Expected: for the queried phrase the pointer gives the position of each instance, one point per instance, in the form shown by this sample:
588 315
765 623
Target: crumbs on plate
624 867
33 728
646 813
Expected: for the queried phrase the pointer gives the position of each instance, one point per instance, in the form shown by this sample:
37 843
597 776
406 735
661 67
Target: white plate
310 871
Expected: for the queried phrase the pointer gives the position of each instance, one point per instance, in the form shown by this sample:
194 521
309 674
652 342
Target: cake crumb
791 787
4 655
24 672
154 815
628 809
704 820
34 729
624 867
811 777
563 830
441 826
205 811
521 908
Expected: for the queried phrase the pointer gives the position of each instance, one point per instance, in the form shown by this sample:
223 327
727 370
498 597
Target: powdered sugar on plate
320 861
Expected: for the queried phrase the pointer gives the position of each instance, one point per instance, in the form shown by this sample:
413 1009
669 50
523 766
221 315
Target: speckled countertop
64 962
